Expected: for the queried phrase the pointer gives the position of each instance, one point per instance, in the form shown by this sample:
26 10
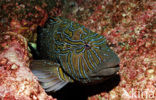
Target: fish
70 52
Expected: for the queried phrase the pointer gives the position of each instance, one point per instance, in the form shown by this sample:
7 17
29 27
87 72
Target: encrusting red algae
129 26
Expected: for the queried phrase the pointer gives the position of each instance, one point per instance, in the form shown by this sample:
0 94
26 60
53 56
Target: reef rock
16 80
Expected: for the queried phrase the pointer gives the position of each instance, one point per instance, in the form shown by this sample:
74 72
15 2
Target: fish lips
106 68
107 71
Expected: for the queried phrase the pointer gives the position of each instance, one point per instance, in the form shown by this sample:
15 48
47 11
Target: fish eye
87 46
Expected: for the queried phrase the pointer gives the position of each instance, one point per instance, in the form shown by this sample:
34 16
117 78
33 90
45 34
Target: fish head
105 60
82 54
89 52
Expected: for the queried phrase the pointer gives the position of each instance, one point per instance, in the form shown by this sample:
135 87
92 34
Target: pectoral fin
47 74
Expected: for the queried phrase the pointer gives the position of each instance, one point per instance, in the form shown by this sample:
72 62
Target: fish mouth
106 72
105 69
109 71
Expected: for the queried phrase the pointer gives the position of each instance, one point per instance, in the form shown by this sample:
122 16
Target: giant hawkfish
70 52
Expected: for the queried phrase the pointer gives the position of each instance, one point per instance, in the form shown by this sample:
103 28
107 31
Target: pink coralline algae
128 25
16 80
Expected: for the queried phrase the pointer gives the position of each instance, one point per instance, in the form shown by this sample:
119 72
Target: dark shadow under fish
75 91
69 52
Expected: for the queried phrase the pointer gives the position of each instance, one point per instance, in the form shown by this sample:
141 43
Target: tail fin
48 75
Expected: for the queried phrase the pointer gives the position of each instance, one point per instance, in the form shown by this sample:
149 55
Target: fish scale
82 54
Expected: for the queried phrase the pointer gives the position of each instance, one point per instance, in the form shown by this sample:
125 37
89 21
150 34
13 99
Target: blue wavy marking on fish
83 55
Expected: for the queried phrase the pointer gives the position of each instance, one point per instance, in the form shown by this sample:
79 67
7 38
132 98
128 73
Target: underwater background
128 25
